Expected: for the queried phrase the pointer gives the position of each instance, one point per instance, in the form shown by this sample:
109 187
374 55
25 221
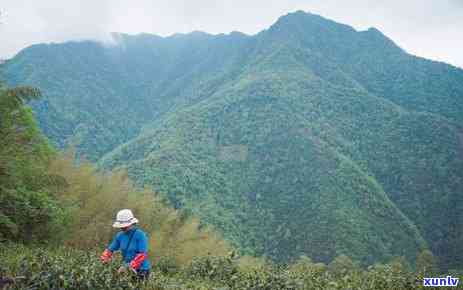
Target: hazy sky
429 28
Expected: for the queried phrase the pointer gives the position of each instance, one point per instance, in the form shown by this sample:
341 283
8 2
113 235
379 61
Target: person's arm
115 244
108 252
142 251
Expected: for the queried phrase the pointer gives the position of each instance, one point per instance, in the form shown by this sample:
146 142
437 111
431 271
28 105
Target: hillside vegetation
52 198
308 138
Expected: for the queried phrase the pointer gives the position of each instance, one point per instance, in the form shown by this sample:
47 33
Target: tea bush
65 268
213 268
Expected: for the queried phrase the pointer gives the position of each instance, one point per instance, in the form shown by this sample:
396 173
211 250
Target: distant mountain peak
301 13
308 20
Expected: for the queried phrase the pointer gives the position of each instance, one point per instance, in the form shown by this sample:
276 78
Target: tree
426 263
27 209
342 265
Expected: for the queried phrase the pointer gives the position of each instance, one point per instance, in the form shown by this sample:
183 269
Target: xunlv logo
449 281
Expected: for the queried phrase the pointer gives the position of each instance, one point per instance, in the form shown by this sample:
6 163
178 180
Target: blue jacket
138 245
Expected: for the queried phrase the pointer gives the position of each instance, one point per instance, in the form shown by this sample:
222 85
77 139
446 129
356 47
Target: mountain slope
263 165
98 97
307 138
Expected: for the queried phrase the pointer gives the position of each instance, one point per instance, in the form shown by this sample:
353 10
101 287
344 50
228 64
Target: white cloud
64 20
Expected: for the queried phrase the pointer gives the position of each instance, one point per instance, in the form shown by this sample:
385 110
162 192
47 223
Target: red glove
106 256
137 261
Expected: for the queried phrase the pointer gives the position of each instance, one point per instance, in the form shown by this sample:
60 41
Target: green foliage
341 266
426 263
28 211
213 268
62 269
66 268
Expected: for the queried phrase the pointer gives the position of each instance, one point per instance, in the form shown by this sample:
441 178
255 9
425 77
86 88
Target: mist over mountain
308 138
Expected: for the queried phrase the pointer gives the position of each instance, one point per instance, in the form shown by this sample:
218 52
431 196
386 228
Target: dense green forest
308 138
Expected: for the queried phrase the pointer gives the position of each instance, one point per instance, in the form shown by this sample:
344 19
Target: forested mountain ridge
125 76
307 138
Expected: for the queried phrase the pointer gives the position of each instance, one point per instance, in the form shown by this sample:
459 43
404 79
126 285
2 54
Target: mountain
307 138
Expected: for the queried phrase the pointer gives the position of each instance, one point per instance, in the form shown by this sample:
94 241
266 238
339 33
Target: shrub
213 268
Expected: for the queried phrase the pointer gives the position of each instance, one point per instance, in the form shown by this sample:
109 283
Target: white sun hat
124 218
